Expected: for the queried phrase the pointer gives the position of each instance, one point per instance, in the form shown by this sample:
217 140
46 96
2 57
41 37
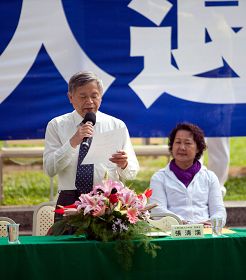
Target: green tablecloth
70 257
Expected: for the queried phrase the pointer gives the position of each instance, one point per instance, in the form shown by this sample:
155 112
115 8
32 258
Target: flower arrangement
110 212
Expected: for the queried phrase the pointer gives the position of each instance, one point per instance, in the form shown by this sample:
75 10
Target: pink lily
89 203
108 186
132 215
127 197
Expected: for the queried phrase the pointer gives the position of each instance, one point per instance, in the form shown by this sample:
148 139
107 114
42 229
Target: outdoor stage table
70 257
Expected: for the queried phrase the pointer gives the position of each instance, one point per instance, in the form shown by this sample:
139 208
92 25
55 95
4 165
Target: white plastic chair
4 221
164 221
43 218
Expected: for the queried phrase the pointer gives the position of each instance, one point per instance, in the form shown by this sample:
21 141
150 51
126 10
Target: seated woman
185 187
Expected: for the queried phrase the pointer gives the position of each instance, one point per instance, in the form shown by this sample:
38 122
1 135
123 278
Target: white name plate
187 231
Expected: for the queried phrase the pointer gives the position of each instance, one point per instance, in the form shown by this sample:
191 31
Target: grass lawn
31 186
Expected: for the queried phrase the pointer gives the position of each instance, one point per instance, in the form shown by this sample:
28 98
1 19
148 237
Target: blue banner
161 62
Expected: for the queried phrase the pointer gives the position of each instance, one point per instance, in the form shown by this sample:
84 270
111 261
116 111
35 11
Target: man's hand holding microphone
84 131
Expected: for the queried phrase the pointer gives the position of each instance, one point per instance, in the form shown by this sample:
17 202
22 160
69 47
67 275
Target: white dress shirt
199 202
61 158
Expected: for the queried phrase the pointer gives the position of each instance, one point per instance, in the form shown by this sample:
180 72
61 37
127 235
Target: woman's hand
207 224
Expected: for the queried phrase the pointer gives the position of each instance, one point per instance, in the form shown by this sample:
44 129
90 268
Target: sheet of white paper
104 145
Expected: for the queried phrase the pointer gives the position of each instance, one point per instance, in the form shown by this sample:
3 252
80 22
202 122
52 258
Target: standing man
110 146
219 158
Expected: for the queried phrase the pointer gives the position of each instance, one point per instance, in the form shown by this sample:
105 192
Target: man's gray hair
83 78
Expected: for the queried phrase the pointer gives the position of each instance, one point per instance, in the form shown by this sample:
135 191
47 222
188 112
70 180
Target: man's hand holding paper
120 158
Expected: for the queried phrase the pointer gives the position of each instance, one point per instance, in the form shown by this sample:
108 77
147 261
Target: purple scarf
185 176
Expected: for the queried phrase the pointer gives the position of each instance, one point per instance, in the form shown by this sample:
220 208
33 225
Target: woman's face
184 148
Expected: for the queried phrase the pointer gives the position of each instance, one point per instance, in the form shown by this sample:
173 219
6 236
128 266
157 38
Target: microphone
89 117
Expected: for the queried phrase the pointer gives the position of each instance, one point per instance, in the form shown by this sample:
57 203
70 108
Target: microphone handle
85 142
86 139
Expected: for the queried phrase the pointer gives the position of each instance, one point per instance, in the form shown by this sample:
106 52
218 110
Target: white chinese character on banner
43 23
225 26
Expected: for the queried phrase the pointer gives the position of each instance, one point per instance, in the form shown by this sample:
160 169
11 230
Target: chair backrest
164 221
4 221
43 218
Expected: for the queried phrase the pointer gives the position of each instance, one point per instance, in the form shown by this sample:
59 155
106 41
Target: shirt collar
78 119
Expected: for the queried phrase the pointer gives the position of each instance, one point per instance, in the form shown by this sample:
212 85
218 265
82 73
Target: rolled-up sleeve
57 156
130 172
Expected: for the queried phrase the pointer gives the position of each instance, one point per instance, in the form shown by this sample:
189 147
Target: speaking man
82 145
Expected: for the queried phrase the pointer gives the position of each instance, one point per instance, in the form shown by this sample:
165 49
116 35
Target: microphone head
90 117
